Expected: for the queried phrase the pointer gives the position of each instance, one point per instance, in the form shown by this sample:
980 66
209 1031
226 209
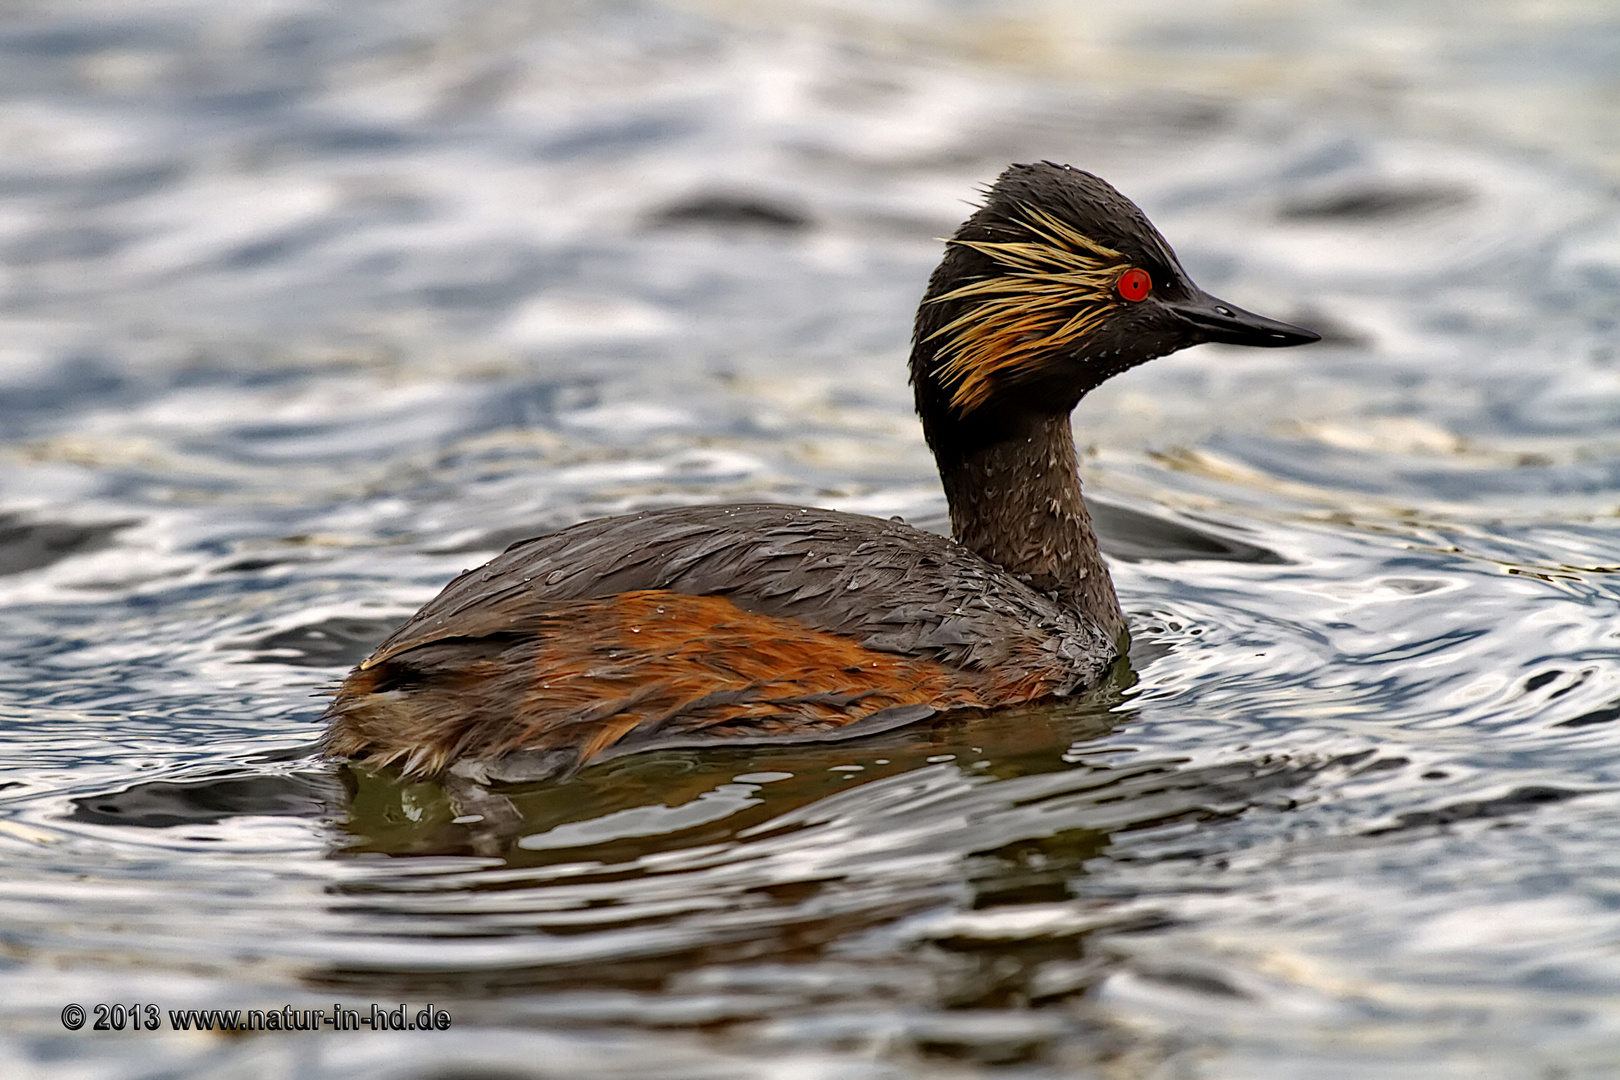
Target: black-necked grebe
769 623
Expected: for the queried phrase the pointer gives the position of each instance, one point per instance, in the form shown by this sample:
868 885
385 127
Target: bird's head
1056 283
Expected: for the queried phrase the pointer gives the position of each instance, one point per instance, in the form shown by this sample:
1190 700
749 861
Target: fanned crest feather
1058 287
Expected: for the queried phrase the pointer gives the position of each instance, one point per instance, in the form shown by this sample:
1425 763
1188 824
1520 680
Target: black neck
1016 501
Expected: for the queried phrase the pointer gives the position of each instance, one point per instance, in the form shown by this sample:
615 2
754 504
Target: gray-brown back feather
892 587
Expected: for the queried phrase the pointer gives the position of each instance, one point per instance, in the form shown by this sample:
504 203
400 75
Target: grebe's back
707 623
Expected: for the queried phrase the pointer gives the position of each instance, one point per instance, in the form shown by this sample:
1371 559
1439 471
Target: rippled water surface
305 307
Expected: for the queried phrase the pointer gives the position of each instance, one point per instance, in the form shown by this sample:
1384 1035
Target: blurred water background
307 305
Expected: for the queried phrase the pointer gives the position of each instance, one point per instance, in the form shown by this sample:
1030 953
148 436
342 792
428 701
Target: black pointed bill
1216 320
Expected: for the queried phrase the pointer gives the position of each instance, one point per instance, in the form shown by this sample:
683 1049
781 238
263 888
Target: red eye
1135 284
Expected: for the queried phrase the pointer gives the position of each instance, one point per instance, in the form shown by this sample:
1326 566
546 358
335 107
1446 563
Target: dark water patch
1516 801
330 643
1574 684
1133 536
1376 202
730 211
1606 715
1536 682
165 804
253 565
32 545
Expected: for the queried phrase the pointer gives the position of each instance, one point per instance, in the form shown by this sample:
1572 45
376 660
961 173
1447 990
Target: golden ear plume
1055 289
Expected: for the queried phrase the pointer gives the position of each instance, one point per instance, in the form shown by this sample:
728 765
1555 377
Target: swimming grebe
767 623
